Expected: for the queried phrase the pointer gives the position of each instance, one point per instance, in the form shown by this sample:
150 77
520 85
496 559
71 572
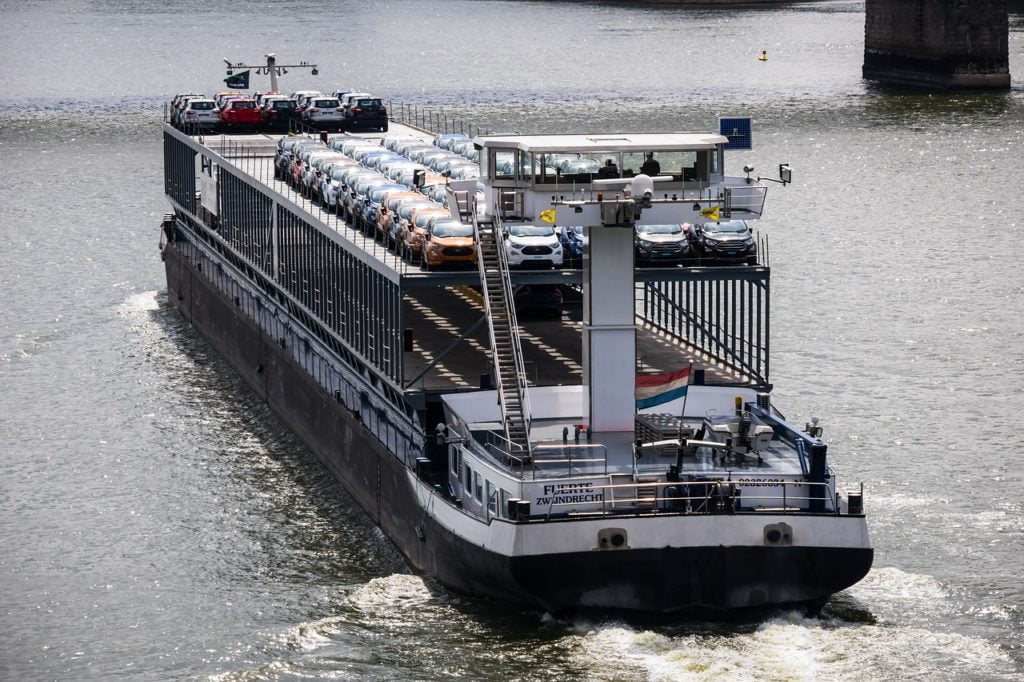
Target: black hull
656 581
645 580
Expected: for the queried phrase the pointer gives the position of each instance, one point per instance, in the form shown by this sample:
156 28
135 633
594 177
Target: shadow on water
885 104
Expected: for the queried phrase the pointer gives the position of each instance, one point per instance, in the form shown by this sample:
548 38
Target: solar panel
738 130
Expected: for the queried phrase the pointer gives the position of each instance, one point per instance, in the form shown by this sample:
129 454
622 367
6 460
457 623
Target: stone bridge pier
940 44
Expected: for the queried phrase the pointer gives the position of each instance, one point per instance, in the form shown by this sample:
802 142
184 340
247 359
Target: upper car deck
448 353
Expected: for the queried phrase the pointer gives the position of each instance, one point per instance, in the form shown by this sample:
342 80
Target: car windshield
377 193
410 206
205 105
326 103
451 228
660 229
729 226
531 230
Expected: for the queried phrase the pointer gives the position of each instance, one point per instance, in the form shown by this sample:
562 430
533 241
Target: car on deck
366 113
538 299
240 114
323 113
277 112
448 242
725 241
655 244
197 112
532 245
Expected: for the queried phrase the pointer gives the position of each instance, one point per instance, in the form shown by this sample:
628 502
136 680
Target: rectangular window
492 501
478 488
503 498
456 459
503 164
469 480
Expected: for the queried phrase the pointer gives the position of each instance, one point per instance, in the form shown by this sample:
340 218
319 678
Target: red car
240 113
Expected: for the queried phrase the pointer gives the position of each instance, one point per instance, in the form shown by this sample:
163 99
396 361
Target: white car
533 245
324 112
199 112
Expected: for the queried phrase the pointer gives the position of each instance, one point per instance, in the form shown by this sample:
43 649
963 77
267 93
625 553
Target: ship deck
438 342
441 307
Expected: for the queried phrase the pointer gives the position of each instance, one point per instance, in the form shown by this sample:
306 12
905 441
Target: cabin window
455 455
503 164
478 489
469 480
492 499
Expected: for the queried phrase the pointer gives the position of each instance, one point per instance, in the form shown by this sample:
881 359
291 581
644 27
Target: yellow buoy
763 56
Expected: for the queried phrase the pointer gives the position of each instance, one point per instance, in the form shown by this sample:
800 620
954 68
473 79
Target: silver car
200 113
323 112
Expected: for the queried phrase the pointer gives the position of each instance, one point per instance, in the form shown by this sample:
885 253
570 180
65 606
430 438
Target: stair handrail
522 384
490 319
518 367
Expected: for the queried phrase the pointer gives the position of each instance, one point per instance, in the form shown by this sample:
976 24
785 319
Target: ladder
506 352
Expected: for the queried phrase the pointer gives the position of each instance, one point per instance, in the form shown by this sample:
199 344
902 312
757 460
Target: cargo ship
624 453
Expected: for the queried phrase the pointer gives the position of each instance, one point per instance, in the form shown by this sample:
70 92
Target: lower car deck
441 317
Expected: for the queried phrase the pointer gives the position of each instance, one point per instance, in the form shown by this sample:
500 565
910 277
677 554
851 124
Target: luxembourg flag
655 389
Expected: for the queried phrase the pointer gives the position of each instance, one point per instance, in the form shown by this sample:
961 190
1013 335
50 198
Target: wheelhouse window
478 488
503 164
681 166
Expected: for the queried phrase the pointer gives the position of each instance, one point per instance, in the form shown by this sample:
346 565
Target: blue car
447 140
371 202
574 241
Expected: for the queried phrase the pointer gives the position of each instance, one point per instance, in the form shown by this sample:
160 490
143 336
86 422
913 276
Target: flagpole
682 413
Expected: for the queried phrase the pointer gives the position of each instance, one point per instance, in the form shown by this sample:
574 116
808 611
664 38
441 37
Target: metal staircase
506 352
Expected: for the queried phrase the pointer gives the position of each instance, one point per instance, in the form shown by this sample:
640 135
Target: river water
157 522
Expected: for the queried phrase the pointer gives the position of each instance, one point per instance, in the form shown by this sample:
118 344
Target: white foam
789 647
398 591
138 303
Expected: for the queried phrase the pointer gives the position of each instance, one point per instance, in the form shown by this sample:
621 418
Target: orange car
448 241
411 239
386 210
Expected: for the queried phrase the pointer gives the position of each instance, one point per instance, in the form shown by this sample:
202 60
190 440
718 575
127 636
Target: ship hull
654 580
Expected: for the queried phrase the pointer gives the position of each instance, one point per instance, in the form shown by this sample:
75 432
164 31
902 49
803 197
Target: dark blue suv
727 240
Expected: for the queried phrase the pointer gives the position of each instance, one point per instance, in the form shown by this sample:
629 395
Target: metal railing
566 458
713 496
431 120
258 164
724 317
522 381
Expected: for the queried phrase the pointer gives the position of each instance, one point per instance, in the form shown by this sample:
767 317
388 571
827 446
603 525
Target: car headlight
710 242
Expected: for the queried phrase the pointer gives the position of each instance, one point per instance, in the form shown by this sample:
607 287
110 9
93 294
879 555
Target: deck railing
431 120
713 496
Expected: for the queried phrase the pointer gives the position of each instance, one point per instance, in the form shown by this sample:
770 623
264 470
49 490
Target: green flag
239 81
